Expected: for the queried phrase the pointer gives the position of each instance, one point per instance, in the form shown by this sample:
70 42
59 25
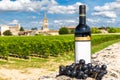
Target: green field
46 51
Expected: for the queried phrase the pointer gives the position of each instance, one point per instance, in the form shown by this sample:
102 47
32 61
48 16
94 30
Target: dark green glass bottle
82 38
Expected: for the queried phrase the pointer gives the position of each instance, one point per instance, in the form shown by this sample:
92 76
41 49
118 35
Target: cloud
117 0
33 17
70 9
64 21
23 5
110 10
57 21
108 6
111 21
52 6
36 22
14 22
108 14
93 20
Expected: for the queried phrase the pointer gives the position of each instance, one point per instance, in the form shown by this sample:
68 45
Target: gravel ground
109 56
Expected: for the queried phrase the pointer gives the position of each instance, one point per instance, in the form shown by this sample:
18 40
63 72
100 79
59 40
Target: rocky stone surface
109 56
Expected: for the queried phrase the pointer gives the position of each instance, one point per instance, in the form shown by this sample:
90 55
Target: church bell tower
45 23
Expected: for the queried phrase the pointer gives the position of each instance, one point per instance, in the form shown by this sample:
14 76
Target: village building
28 33
103 30
14 29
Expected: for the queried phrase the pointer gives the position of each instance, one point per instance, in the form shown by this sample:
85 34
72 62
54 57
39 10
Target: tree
95 30
34 28
21 29
113 30
7 33
72 31
63 30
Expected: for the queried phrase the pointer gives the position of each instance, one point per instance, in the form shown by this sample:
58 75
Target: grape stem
76 67
96 75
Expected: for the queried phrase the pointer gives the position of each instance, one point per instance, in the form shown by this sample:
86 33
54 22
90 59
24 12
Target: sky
30 13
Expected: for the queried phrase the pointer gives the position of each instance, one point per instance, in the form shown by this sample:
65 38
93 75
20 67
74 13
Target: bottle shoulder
82 27
82 30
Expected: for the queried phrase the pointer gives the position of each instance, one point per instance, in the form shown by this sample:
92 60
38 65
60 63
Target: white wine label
83 51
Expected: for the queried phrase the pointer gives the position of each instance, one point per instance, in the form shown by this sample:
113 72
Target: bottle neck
82 19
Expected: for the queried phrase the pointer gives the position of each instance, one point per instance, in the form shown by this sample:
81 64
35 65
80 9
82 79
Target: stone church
45 30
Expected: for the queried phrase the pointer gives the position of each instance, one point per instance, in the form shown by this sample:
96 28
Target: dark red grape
90 70
101 74
80 74
82 62
98 78
103 67
83 71
84 76
84 67
73 65
89 65
67 67
86 71
105 72
97 66
94 69
61 70
74 73
68 72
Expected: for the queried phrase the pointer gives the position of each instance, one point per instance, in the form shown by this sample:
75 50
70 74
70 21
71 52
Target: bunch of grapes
83 71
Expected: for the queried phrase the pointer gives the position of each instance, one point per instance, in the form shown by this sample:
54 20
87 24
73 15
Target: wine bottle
82 38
